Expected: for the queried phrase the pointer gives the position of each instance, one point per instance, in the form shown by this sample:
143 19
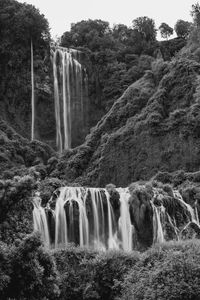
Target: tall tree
92 34
146 28
195 12
165 30
182 28
19 24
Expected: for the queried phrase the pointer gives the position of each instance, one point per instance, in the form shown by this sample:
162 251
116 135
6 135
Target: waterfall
158 234
160 216
32 96
69 84
126 228
85 216
100 218
40 220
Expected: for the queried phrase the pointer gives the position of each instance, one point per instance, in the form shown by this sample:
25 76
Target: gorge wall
153 127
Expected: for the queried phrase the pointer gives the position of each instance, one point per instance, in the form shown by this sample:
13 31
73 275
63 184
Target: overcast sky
61 13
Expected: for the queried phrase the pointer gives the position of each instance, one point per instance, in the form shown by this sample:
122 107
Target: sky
61 13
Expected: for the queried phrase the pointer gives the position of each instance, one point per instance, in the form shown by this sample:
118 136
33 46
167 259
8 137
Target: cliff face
18 155
154 126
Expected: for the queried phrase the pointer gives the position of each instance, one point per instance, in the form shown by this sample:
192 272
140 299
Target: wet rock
141 214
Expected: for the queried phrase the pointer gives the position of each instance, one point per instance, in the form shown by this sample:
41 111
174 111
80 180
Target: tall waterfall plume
70 81
32 96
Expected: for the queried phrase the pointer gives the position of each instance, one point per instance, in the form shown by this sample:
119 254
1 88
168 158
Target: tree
182 28
28 271
195 13
121 32
92 34
165 30
19 24
146 28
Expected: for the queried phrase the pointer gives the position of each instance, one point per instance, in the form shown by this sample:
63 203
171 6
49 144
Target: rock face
17 154
154 126
141 214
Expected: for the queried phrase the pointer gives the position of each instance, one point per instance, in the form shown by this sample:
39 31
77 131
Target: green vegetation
150 91
19 24
182 28
27 271
160 112
167 271
116 57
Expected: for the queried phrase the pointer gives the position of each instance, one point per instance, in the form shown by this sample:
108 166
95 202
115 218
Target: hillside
154 126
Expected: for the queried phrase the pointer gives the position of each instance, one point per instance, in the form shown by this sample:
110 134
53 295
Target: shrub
88 275
108 272
75 271
31 272
165 273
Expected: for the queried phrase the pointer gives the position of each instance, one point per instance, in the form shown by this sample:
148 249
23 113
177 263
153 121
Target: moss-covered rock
153 127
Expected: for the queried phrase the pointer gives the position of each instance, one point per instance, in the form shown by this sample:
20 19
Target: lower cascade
113 218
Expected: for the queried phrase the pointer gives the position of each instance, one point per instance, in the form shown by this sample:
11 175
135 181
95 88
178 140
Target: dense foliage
118 56
114 58
160 112
165 30
167 271
153 126
27 271
19 25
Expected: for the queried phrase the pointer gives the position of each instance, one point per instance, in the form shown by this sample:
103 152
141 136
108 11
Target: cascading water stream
125 225
40 220
60 220
69 82
96 218
32 96
178 196
88 211
57 105
158 234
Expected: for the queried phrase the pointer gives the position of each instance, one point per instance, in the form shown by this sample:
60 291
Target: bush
75 272
30 271
88 275
165 273
108 272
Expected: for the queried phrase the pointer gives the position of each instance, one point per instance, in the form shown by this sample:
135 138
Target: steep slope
154 126
17 154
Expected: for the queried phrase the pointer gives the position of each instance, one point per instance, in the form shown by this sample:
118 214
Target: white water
68 84
57 104
125 226
85 217
32 97
158 234
178 196
97 226
40 220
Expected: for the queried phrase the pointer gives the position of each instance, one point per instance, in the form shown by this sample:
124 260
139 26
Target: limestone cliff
154 125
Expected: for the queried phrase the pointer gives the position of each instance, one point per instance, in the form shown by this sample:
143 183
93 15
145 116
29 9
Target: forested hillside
19 25
154 126
113 57
143 128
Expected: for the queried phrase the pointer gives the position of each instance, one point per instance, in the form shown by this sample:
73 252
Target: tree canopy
146 28
165 30
195 13
19 24
182 28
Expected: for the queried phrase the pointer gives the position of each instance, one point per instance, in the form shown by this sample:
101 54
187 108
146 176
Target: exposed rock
141 214
153 127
